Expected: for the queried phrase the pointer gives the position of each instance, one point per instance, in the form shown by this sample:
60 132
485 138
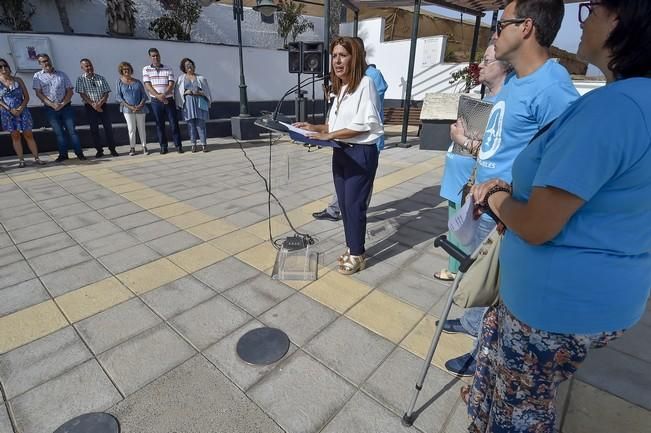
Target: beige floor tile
6 181
151 276
25 177
172 210
314 206
385 315
155 201
592 410
190 219
212 229
235 242
197 257
60 172
29 324
261 229
261 257
450 345
92 299
298 217
128 187
337 291
142 194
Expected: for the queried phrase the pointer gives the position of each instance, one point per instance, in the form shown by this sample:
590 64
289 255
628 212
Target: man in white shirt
159 83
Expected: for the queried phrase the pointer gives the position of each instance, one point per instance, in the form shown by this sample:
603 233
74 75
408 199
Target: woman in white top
353 121
193 98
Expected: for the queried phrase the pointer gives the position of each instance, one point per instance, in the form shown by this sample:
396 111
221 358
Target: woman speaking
355 123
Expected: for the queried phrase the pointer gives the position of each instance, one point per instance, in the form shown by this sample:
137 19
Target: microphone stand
271 122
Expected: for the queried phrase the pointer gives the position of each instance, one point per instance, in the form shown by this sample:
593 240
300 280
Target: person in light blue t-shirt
578 215
332 212
460 158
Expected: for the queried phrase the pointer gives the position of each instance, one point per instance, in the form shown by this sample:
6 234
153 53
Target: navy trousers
162 111
353 169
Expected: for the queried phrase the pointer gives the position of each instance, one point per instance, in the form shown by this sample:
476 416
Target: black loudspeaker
295 51
312 58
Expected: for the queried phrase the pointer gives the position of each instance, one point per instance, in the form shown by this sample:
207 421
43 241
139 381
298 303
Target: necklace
340 97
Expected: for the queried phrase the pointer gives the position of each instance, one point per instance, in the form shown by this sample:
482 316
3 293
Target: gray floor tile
59 260
393 386
170 244
226 274
36 231
243 374
22 295
59 202
15 211
349 349
210 403
70 210
83 389
116 325
5 240
414 289
15 273
153 231
312 394
46 245
26 220
376 273
364 415
137 219
258 294
120 210
81 220
5 423
102 203
129 258
429 262
110 244
41 360
9 255
635 342
300 317
145 357
74 277
94 231
619 374
178 296
459 420
206 323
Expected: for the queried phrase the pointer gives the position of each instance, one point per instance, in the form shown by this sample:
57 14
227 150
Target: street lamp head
265 7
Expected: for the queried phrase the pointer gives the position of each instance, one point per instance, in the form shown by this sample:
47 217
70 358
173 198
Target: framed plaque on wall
24 50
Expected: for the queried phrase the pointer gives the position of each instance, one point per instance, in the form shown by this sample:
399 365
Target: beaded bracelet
484 204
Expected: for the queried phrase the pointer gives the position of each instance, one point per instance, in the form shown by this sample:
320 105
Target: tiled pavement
125 284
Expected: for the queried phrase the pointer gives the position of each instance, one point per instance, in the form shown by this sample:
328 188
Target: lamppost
242 128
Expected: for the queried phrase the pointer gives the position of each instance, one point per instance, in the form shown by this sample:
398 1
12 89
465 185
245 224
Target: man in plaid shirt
94 90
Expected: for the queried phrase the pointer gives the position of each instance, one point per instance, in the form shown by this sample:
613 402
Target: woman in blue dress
193 98
14 114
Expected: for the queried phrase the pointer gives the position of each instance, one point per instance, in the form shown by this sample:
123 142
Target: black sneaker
81 157
99 154
114 152
179 149
61 158
324 215
163 150
464 365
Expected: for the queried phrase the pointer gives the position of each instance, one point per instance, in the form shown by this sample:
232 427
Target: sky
567 38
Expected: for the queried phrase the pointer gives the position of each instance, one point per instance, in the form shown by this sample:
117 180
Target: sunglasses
585 10
504 23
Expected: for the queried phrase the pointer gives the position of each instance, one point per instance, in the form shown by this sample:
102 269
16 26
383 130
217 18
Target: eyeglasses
487 62
585 10
503 23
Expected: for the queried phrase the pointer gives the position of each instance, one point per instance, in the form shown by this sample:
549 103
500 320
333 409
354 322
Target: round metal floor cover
263 346
97 422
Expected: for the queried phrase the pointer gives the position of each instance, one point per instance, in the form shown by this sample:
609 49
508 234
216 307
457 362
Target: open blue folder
304 139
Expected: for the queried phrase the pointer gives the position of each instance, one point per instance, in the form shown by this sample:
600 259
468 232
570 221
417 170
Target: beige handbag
479 286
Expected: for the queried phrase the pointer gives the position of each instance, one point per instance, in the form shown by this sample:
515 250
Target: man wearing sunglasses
94 90
537 93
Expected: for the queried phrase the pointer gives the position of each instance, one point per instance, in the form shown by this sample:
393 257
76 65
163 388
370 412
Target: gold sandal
342 258
352 264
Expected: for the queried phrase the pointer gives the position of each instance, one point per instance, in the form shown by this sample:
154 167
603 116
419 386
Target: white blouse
357 111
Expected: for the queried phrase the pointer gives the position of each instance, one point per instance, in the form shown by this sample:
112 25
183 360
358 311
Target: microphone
271 121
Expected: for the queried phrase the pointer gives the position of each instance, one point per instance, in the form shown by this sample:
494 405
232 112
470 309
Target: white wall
265 70
431 75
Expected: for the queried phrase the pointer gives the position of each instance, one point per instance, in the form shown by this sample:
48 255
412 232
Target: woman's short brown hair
357 69
182 65
123 65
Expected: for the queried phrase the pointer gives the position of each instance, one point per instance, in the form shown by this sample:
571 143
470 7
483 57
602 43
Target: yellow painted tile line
25 177
197 257
92 299
151 276
29 324
216 228
336 291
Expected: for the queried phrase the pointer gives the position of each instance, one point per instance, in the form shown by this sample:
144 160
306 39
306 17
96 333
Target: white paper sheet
464 225
301 131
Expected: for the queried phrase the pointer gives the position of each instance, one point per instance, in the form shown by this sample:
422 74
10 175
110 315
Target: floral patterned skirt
519 369
12 123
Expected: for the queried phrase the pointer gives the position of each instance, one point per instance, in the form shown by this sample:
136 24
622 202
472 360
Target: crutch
465 261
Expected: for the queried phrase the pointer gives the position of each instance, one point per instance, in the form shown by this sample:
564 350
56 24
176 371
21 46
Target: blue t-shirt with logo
381 86
521 109
595 275
457 171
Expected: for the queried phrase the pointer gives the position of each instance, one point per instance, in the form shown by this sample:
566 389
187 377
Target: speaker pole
326 51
